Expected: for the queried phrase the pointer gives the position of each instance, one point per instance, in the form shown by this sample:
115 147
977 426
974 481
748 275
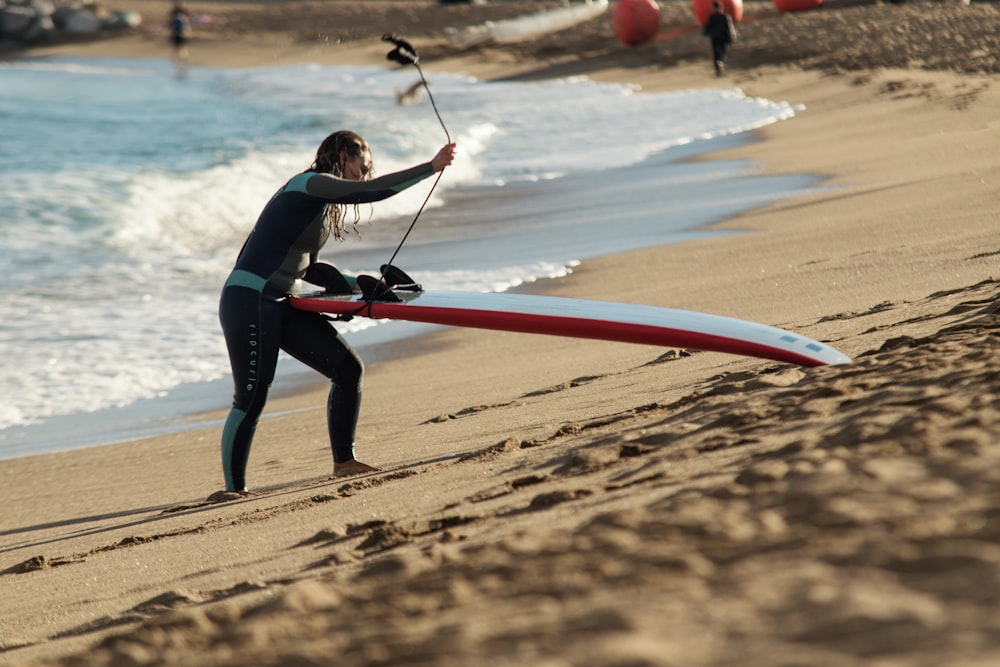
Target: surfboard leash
405 54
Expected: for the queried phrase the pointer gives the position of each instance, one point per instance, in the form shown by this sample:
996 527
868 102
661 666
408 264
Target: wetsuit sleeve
344 191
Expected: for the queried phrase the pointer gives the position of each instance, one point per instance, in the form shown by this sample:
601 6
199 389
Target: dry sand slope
838 516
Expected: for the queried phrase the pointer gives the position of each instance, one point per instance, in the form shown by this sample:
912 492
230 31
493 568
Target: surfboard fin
332 280
372 289
404 53
399 280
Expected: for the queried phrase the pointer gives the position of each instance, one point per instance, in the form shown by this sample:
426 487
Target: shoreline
183 408
180 409
813 511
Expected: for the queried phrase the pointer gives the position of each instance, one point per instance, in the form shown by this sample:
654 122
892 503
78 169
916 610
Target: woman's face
356 168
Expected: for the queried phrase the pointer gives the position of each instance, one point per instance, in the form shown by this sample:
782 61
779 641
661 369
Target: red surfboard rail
581 318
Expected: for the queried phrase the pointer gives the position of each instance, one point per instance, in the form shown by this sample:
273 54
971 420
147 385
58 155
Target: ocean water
126 193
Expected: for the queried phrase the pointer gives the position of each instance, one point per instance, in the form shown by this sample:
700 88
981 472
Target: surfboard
581 318
527 26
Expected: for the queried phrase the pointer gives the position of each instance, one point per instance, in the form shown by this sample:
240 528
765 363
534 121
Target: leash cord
406 54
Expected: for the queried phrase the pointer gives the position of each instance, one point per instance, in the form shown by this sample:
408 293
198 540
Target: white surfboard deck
581 318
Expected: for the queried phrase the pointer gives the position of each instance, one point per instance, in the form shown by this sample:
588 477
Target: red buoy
636 21
703 9
796 5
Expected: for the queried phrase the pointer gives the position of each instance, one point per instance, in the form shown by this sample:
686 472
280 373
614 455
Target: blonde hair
331 155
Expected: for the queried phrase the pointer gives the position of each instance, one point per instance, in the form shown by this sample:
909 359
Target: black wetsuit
719 29
179 20
257 319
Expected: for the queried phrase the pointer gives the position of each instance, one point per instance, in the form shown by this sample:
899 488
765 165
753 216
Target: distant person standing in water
721 31
180 32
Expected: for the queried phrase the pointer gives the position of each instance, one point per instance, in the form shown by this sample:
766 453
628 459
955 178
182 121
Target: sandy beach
553 502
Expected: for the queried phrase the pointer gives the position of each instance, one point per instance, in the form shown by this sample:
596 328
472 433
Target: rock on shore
31 22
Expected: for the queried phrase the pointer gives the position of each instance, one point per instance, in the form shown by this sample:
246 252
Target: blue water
126 193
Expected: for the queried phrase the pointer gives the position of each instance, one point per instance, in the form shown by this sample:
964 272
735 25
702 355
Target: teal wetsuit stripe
298 183
233 422
241 278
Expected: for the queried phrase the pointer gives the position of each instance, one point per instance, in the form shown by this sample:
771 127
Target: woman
256 317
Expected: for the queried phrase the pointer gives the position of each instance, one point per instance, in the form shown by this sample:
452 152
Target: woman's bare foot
351 468
227 496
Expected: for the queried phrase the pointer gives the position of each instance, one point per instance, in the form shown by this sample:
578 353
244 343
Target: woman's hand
444 157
